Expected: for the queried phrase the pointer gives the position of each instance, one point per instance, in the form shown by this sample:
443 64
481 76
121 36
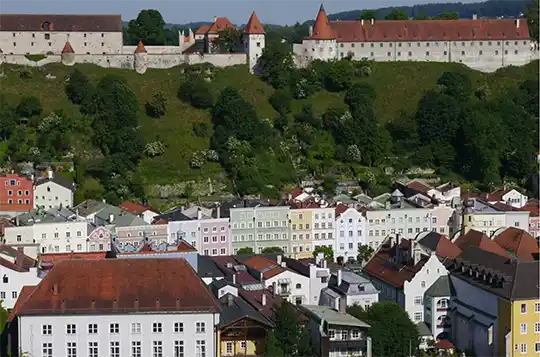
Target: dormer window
46 26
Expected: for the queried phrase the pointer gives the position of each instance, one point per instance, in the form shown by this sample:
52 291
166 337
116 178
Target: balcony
346 344
284 292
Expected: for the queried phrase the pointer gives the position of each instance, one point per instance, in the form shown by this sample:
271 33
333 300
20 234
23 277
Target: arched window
46 26
299 286
5 279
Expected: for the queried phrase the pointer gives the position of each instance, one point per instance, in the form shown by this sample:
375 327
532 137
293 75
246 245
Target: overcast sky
182 11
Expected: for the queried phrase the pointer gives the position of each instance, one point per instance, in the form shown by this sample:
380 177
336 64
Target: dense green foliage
327 252
245 250
148 27
272 250
391 330
291 335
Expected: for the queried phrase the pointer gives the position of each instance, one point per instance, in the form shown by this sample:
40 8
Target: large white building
53 191
116 308
485 45
350 232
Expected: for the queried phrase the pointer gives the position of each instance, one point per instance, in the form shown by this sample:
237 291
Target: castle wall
43 42
153 49
486 56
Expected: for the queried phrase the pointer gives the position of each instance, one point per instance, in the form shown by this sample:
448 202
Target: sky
281 12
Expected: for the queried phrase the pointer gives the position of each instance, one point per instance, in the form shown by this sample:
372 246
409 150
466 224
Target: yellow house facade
301 232
525 334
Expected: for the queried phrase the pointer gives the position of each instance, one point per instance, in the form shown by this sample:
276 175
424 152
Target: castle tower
254 41
68 55
323 38
139 60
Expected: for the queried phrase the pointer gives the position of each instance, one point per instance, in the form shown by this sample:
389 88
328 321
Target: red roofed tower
254 41
68 55
321 43
139 58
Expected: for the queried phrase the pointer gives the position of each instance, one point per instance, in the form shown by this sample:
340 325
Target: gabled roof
184 246
322 29
202 30
120 286
220 24
254 27
520 243
67 48
235 308
440 244
430 30
57 179
440 288
478 239
135 208
264 265
15 255
25 293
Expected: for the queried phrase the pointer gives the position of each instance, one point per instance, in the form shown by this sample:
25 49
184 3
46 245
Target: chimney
372 22
157 303
234 279
230 300
177 303
111 218
136 304
17 221
475 17
517 23
50 172
55 290
215 18
199 213
310 30
63 306
218 211
339 277
93 304
412 244
279 259
19 259
324 263
115 304
263 299
362 22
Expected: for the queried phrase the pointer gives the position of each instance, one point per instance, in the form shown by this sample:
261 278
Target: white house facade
291 286
350 233
53 192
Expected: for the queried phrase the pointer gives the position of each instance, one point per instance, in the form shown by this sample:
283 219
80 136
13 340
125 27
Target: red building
16 194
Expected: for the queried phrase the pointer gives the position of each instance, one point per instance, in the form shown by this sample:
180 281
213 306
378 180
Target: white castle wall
154 49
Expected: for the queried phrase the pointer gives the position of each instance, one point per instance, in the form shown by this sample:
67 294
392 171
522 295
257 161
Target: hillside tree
148 27
447 15
397 14
276 66
367 15
327 252
29 106
532 19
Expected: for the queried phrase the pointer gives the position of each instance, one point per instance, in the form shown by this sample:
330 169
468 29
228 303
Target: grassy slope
399 87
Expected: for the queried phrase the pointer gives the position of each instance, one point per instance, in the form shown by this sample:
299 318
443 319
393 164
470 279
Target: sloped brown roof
202 30
254 27
221 23
340 208
140 48
67 48
184 246
418 186
430 30
443 345
27 262
478 239
264 265
25 293
532 206
134 208
442 246
64 23
120 286
57 257
322 29
523 245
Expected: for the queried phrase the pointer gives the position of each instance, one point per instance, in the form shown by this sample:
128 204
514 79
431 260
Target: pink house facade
215 237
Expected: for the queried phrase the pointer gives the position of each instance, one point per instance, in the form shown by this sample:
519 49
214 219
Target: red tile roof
134 208
340 208
67 48
496 195
447 249
25 293
58 257
264 265
120 286
443 345
202 30
140 48
429 30
221 23
523 245
254 27
184 246
418 186
322 29
381 267
532 206
14 254
254 298
480 240
161 221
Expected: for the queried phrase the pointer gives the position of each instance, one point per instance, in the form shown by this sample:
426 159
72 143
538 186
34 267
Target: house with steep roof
518 243
437 310
533 207
511 197
146 213
53 191
348 288
350 232
16 271
158 302
482 44
495 304
480 240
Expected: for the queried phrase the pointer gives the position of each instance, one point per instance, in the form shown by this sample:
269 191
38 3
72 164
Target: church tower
254 41
322 38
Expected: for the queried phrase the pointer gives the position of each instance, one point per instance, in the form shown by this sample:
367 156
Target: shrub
196 92
78 88
156 107
35 58
281 101
29 106
200 130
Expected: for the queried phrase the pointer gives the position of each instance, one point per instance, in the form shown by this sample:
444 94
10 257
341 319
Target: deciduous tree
397 14
148 27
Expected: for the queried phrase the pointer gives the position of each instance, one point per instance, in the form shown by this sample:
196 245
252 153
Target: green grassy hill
399 87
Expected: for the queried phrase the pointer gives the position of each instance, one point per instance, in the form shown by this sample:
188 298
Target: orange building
16 194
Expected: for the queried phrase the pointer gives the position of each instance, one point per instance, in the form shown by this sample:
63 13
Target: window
389 54
523 348
200 327
537 307
46 349
344 335
178 327
417 316
71 329
523 308
537 347
157 327
46 330
115 349
114 328
71 349
92 329
179 348
418 300
136 327
93 349
523 329
229 348
157 349
537 327
299 286
423 284
331 334
355 334
200 349
47 36
2 294
136 350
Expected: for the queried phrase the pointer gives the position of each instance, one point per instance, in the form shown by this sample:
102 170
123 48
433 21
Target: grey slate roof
206 268
332 316
237 310
121 218
89 207
423 329
442 287
57 179
53 215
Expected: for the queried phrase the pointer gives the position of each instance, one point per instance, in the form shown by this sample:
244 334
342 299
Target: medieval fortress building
485 45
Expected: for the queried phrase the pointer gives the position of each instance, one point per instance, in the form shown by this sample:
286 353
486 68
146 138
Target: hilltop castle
98 39
485 45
